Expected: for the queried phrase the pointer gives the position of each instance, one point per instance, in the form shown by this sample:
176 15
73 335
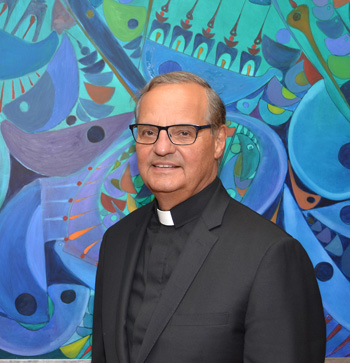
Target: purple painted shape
340 46
324 236
283 36
62 152
275 96
320 2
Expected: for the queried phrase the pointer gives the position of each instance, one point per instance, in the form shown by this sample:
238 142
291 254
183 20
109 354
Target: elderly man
196 276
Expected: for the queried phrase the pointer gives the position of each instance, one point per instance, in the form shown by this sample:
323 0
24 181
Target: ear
220 141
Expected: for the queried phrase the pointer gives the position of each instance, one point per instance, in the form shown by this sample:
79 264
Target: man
196 276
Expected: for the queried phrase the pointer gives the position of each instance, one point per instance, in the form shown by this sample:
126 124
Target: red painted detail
208 30
82 256
13 91
65 218
232 38
2 95
162 13
90 168
70 200
3 8
30 81
254 46
32 21
22 87
334 332
187 21
79 183
66 239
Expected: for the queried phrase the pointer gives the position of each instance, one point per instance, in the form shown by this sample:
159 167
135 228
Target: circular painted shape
24 106
317 137
70 120
345 214
324 271
95 134
68 296
344 155
133 23
26 304
169 66
85 51
283 36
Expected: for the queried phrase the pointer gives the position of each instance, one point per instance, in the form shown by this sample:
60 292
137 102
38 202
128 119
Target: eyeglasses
183 134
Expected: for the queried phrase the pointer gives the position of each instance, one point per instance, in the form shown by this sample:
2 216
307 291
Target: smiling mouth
165 166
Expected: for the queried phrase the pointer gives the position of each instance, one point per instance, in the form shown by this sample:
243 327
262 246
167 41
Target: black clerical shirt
159 254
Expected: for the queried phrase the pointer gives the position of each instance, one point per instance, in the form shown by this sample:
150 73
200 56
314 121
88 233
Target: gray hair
216 113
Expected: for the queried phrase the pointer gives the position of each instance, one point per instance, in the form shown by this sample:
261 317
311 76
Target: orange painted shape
32 21
99 94
22 87
301 196
88 248
77 215
107 204
126 182
274 217
3 8
80 233
336 3
30 81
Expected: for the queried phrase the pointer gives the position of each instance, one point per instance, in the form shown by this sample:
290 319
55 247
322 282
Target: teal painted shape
19 57
5 168
335 246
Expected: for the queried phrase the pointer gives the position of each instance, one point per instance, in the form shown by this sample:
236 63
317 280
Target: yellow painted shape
301 79
274 109
130 202
72 350
287 94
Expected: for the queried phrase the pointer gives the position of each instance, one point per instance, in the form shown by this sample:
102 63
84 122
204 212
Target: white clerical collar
165 217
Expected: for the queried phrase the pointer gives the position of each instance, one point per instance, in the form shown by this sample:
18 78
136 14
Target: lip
164 165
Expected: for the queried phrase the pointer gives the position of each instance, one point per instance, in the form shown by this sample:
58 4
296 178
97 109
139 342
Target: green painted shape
119 16
339 66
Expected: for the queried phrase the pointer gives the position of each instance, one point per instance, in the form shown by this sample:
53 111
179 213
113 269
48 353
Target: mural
69 76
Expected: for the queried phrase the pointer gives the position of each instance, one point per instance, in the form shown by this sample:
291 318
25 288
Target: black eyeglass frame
160 128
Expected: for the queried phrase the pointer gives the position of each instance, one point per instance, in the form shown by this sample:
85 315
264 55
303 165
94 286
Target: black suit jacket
242 291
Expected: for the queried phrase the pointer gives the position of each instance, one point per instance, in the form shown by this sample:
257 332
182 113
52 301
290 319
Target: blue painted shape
332 28
107 43
334 291
335 246
15 269
339 46
82 115
260 2
230 86
278 55
247 105
18 57
274 94
270 175
136 54
290 78
313 151
40 100
345 262
271 118
324 236
331 217
5 169
134 44
63 70
250 156
323 12
99 79
96 110
61 326
53 96
95 68
89 59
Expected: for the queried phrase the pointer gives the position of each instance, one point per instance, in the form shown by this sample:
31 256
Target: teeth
164 166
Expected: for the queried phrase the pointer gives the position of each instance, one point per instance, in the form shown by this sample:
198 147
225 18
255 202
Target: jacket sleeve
98 351
284 319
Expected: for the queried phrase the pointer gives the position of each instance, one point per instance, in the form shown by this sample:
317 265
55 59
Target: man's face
174 172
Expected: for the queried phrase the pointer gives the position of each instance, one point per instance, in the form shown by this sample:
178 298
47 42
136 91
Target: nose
163 145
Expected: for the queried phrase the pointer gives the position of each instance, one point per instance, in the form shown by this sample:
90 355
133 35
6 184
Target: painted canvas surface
69 76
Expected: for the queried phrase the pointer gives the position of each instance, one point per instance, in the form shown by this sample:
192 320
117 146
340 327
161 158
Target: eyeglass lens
178 134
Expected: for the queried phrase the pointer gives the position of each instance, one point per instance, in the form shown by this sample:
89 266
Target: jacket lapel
135 240
197 248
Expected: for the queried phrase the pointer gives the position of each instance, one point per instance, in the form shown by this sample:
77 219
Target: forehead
174 99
